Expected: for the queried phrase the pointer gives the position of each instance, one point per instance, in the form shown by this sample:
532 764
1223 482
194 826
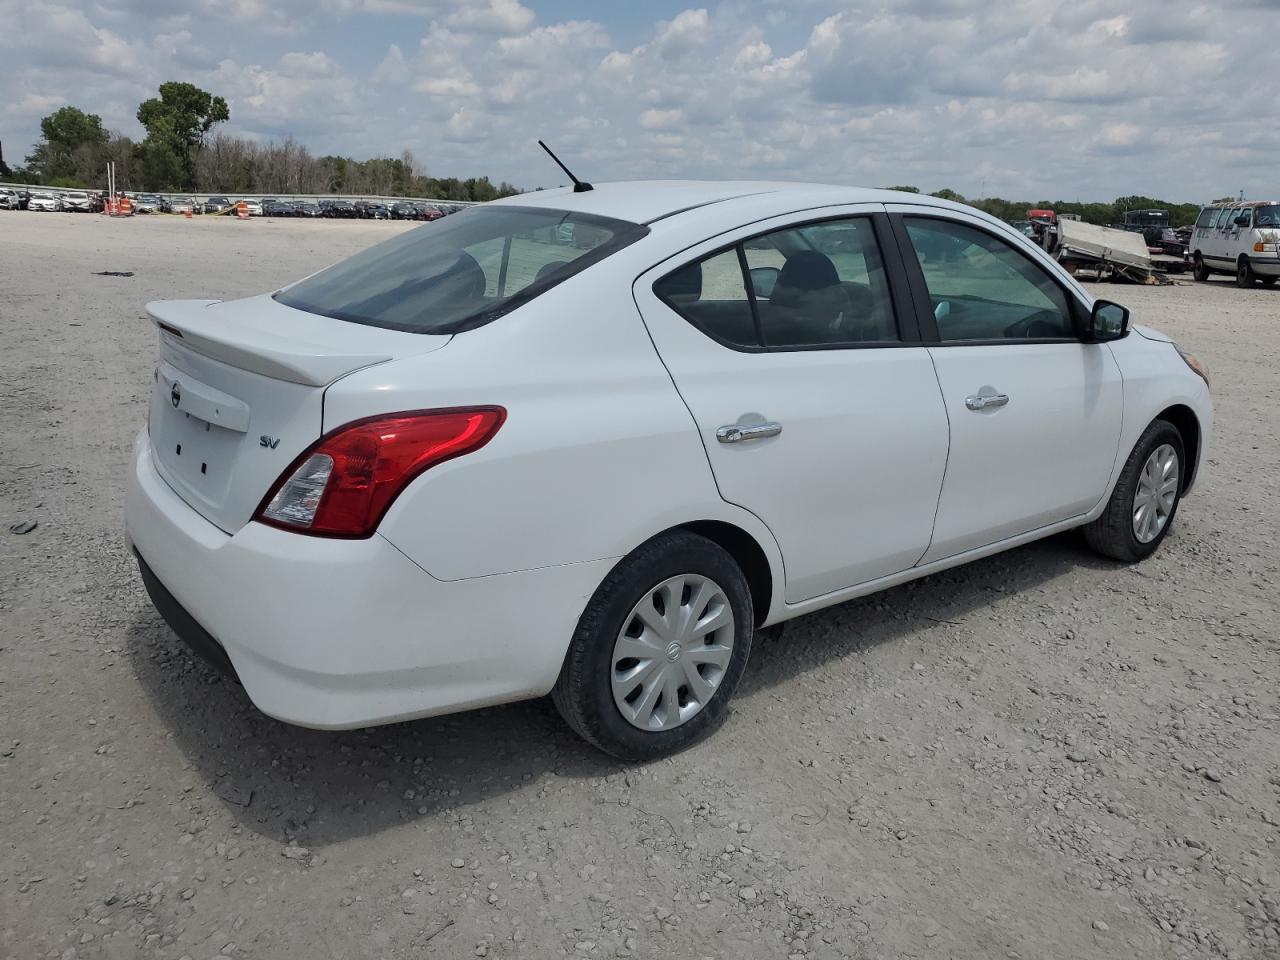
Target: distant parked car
342 209
377 211
404 211
44 201
277 208
11 199
182 205
77 201
146 203
308 208
253 206
429 212
217 205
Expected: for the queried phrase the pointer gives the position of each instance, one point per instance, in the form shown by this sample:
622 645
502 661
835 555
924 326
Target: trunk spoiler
266 337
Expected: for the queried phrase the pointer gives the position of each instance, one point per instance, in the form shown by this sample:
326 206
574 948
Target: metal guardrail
233 197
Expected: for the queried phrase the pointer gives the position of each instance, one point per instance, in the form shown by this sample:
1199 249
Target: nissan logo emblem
175 395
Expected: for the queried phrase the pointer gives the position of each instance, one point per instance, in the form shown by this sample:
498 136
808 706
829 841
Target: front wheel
1244 273
1142 506
1199 270
659 649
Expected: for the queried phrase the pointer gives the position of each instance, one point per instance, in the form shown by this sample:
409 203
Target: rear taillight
342 486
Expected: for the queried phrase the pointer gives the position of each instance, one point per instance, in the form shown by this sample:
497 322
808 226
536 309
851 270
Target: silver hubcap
1156 494
672 653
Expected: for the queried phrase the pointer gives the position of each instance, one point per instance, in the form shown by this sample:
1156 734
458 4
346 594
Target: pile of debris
1107 253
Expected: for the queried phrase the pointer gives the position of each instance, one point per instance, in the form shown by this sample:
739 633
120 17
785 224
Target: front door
1035 413
817 412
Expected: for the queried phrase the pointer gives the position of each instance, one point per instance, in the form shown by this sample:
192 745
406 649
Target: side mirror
1108 321
1242 221
763 280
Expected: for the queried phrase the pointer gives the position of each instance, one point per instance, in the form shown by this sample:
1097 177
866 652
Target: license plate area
195 455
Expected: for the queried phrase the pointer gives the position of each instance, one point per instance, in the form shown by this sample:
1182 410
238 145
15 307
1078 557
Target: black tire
583 693
1244 273
1112 533
1199 270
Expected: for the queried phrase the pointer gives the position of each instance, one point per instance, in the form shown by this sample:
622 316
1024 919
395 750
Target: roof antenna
579 186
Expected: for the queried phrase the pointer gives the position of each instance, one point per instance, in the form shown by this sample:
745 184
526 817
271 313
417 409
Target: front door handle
738 432
984 403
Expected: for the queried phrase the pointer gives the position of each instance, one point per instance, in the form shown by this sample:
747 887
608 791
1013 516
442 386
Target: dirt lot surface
1038 755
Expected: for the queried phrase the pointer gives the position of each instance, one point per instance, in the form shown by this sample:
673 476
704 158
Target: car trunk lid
239 393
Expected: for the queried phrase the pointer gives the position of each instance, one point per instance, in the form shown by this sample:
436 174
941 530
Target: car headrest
808 270
547 269
684 284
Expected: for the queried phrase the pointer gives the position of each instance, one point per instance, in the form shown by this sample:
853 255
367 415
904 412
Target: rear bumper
337 634
183 624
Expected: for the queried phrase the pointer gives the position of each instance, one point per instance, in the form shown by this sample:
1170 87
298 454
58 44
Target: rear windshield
461 272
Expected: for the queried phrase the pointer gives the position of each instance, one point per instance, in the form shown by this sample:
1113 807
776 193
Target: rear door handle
738 432
983 403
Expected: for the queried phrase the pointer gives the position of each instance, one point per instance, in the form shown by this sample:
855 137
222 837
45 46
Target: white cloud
497 16
1029 98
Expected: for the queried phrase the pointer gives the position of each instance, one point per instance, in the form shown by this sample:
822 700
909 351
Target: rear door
818 409
1035 413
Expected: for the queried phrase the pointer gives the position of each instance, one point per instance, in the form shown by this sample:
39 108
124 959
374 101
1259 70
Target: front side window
1206 217
982 289
1224 218
461 272
817 285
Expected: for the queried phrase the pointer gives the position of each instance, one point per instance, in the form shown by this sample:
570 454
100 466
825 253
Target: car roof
644 201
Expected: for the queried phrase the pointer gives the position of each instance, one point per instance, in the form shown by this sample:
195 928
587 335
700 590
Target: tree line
1180 214
182 154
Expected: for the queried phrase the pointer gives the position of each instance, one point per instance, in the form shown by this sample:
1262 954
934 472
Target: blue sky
1029 99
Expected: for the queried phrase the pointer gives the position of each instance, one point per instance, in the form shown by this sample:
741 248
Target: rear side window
820 284
461 272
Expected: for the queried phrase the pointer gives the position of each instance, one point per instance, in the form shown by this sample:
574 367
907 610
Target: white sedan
587 443
44 201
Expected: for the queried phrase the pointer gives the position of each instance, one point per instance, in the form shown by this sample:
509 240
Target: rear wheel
1244 273
659 649
1142 506
1199 270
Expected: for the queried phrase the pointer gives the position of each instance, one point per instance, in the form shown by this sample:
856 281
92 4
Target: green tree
946 193
904 189
176 123
72 144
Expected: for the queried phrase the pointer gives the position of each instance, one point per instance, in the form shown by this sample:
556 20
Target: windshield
462 272
1267 216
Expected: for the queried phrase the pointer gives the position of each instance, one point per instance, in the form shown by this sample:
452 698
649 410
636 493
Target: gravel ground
1037 755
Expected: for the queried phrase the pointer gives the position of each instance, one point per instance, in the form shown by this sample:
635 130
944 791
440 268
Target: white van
1240 237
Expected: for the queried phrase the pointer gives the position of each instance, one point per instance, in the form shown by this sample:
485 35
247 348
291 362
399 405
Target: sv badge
269 442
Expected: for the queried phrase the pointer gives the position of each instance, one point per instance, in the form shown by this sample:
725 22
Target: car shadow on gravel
950 597
320 787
